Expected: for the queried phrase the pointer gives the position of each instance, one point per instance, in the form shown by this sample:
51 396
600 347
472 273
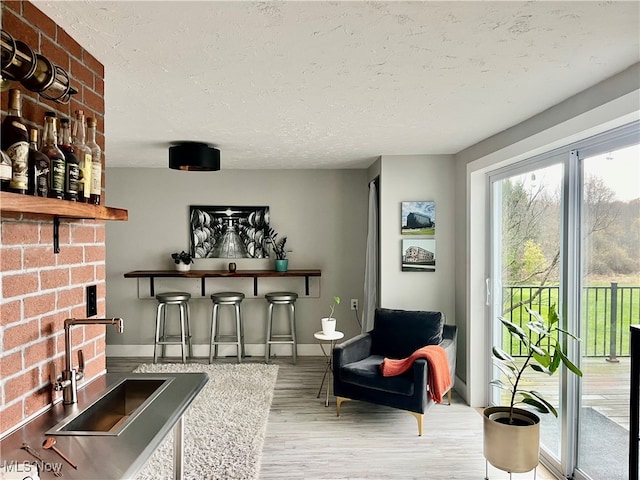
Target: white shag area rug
224 427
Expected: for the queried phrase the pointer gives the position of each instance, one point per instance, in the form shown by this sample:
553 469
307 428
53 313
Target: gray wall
322 212
416 178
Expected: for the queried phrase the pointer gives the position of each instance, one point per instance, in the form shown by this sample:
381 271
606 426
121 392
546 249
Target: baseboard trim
202 350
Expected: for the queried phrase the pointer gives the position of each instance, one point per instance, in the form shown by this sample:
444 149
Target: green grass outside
596 338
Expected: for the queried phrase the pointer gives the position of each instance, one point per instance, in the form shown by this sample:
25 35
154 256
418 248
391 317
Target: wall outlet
92 301
354 304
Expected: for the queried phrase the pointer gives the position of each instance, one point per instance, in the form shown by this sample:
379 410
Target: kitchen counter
107 457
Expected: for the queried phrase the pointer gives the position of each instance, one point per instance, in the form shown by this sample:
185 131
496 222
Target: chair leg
216 336
449 395
212 338
239 349
293 334
164 330
339 401
157 338
267 344
189 330
183 340
244 354
419 417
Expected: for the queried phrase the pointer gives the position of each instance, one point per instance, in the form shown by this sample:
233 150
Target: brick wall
39 288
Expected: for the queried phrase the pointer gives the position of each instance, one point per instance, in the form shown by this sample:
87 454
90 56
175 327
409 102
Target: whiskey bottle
5 171
72 168
38 168
15 142
55 155
96 162
84 157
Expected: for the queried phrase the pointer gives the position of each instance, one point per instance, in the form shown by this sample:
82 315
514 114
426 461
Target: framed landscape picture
419 218
418 255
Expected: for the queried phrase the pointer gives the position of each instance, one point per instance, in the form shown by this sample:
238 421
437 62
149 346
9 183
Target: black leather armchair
396 334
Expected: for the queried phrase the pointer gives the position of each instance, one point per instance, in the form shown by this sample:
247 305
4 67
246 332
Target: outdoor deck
605 387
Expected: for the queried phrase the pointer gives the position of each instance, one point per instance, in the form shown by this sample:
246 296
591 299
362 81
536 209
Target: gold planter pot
511 448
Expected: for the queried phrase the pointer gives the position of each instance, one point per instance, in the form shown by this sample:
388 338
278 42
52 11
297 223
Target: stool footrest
281 341
187 337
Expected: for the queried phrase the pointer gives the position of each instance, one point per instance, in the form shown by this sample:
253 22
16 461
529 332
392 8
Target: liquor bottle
56 157
96 162
72 168
38 168
5 171
83 153
15 142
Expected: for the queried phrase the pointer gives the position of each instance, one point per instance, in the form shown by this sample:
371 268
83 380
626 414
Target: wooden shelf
16 203
220 273
57 209
204 274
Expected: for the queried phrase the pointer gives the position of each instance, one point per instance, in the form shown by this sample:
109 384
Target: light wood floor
305 439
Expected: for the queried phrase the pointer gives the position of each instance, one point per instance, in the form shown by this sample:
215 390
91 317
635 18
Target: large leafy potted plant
512 434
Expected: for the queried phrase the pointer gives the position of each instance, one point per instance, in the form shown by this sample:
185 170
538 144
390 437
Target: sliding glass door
526 221
565 234
610 303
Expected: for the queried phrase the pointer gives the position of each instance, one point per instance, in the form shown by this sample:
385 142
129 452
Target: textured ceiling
335 84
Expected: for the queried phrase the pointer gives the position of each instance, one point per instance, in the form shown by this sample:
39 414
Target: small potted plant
183 261
278 248
329 323
511 434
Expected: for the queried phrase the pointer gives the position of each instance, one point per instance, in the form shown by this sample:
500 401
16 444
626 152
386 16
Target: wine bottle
55 155
5 171
96 162
39 165
72 168
83 153
15 142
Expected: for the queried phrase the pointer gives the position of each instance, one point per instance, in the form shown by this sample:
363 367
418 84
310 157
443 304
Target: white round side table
332 338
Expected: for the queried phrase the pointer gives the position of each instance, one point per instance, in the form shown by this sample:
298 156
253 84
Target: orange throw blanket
439 377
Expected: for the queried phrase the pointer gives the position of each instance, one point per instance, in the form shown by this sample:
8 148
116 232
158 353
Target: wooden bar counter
204 274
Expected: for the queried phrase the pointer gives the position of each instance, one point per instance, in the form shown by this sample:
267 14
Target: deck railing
609 311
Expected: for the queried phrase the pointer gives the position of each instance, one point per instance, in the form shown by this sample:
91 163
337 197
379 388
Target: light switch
92 301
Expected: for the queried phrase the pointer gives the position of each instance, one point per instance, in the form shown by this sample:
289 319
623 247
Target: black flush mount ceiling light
194 156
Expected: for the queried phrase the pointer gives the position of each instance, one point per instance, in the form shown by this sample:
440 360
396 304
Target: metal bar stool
281 298
226 298
181 299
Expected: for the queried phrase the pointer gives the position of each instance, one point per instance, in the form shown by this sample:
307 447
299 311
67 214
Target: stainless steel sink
115 410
